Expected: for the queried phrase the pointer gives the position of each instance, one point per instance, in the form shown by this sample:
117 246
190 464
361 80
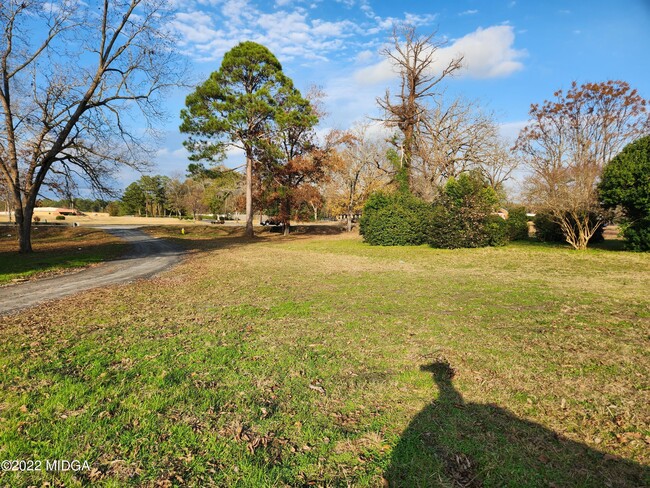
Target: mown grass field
321 361
56 249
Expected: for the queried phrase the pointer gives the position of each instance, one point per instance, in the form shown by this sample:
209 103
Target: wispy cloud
469 12
487 53
208 28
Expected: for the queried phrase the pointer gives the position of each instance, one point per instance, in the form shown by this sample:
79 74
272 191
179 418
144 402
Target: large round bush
395 220
626 183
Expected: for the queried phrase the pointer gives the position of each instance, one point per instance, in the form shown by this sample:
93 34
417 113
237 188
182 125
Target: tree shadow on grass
453 443
57 259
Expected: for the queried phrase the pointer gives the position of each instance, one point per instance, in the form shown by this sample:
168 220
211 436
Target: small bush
517 224
497 231
36 218
637 236
113 209
548 230
445 230
60 217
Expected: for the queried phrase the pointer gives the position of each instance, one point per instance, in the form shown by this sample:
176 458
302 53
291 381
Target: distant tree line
215 191
81 204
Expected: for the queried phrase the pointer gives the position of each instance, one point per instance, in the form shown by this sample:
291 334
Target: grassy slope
55 249
316 360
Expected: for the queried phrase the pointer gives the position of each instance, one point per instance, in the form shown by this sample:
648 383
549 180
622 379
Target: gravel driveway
147 257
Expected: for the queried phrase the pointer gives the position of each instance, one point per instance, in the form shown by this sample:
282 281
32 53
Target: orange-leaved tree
566 144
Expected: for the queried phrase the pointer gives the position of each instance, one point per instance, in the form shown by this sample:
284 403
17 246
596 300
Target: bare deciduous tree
6 199
454 137
358 171
414 57
71 75
566 145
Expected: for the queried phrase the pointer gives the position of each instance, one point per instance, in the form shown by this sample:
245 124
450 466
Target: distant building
57 211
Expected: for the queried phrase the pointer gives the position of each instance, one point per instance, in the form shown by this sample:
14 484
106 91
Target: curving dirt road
147 257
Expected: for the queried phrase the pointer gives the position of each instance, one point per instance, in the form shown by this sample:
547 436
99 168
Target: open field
102 218
319 360
56 249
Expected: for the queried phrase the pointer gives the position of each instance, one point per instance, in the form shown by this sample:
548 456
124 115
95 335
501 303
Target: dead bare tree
71 76
414 57
455 136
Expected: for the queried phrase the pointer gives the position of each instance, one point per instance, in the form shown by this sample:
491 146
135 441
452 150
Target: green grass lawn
321 361
56 249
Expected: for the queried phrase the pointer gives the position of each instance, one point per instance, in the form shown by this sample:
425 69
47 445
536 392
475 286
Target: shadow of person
453 443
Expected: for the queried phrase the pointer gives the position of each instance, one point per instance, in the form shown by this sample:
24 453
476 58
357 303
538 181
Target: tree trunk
24 221
249 195
285 214
349 218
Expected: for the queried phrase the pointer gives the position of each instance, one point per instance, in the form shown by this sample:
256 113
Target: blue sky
516 52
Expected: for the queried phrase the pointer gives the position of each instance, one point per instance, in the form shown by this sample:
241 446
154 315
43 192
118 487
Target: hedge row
463 216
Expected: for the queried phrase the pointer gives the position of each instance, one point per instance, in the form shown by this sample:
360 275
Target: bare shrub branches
567 143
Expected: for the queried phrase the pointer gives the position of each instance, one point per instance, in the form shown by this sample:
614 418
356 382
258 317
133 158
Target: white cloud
416 19
194 27
288 34
488 53
469 12
364 56
234 10
207 28
510 130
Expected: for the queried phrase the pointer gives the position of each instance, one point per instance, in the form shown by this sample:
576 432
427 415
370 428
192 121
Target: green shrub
463 216
626 184
395 220
637 235
446 230
60 217
497 231
517 224
548 230
465 228
375 203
